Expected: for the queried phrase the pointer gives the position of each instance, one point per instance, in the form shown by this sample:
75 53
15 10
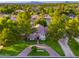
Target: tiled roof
47 16
40 29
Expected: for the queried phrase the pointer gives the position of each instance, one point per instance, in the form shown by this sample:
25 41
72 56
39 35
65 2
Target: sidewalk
64 45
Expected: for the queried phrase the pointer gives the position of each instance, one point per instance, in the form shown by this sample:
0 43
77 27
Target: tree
41 21
72 27
23 23
8 34
6 9
56 28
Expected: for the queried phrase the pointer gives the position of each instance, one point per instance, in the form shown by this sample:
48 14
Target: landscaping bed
38 52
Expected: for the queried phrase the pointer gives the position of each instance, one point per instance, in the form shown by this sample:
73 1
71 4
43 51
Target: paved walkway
64 45
77 39
51 52
25 52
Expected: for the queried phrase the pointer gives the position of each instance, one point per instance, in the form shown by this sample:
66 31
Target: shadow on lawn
8 52
13 50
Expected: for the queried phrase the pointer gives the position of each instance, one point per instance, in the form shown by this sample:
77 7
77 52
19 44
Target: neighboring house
19 11
1 15
4 15
13 17
33 19
71 15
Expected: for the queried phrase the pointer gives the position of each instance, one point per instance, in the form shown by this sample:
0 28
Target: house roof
19 11
47 16
40 29
34 16
13 17
71 15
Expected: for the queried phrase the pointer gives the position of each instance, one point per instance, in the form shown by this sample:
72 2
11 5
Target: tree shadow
8 52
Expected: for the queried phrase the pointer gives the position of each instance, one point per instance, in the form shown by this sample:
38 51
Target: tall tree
23 23
8 34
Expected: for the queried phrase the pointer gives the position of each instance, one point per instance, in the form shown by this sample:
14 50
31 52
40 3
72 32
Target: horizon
38 1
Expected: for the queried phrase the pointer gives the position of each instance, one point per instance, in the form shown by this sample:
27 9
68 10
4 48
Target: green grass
55 45
33 53
16 48
31 42
42 41
74 46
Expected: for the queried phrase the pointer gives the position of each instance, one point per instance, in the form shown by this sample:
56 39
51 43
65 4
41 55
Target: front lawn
74 46
55 45
16 48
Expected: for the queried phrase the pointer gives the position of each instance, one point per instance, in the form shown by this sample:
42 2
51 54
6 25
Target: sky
34 0
18 1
